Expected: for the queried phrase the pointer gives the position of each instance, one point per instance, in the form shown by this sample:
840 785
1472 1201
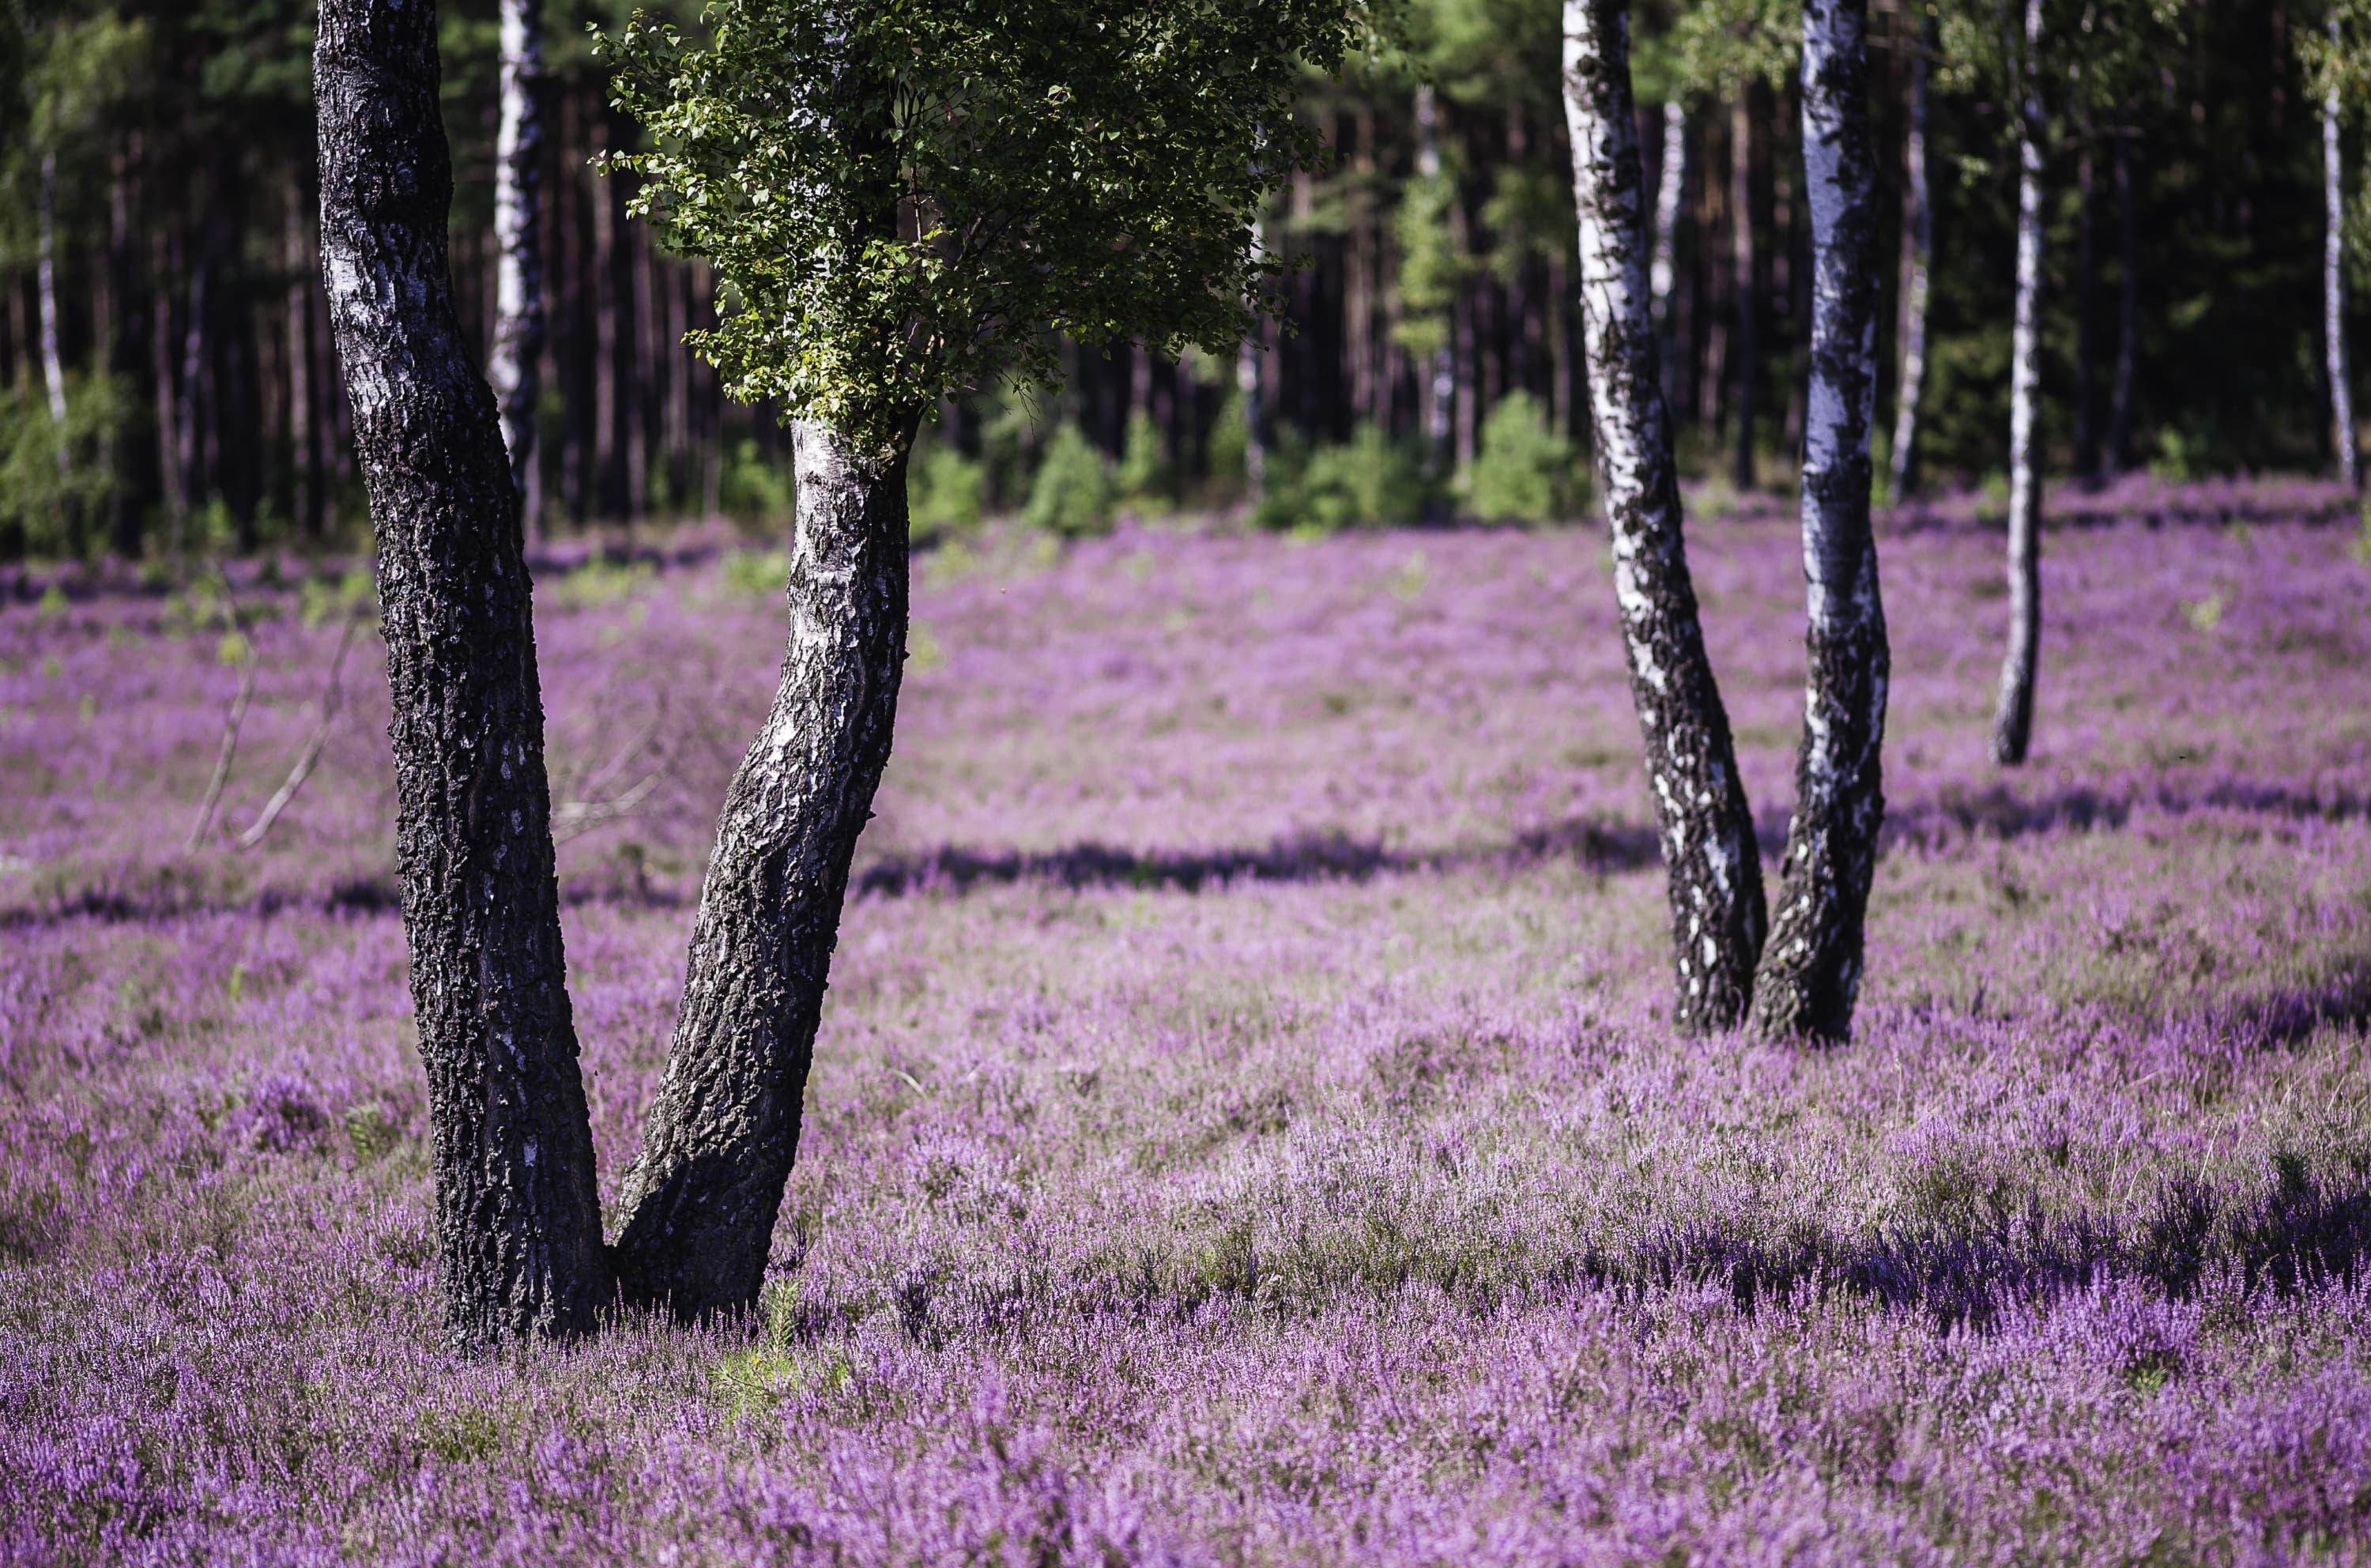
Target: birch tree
1662 273
1709 851
512 365
1918 261
902 198
2333 252
1810 972
2013 715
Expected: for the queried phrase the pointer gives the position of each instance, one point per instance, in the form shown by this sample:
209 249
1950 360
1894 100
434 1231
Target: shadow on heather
1601 847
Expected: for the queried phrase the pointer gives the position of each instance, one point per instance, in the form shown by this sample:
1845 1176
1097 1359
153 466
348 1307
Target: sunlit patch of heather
1246 1125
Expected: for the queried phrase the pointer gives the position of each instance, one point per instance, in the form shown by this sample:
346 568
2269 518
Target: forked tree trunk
2013 720
1664 272
1918 258
518 1223
2333 282
701 1199
1810 968
1707 832
519 206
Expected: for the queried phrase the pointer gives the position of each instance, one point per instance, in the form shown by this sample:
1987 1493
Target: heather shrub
1524 472
1072 493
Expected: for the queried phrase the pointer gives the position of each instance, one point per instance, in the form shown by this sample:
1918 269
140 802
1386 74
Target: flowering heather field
1246 1128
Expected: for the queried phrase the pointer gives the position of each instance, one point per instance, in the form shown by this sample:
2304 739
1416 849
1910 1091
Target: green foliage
1367 483
48 508
1229 444
942 492
759 573
1524 472
1143 476
755 489
1072 495
900 198
1717 47
1432 268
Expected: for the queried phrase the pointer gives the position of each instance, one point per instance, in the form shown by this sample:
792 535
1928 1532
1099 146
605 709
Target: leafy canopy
902 197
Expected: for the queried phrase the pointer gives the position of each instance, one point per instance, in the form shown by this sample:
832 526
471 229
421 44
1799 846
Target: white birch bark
53 373
1442 396
1810 974
1248 356
1709 851
1917 257
1662 273
2333 283
2013 722
518 279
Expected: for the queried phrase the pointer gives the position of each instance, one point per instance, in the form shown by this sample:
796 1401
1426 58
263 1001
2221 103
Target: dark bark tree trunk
1743 356
700 1202
2013 720
1707 832
518 1221
304 439
1918 258
2128 316
2087 321
1810 968
169 417
517 349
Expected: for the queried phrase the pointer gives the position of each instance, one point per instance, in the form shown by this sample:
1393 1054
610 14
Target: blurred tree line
172 385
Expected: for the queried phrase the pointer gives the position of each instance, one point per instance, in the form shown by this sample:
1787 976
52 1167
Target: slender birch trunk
701 1201
1917 259
2333 282
518 209
1709 850
1442 398
1810 968
1249 384
1744 349
2013 722
1663 272
518 1220
53 373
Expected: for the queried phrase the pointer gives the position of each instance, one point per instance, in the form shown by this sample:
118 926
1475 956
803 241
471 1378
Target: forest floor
1245 1126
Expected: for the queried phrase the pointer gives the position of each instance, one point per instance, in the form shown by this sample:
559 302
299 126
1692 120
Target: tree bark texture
2128 315
1810 968
518 1221
518 210
2013 720
1917 259
2333 283
701 1201
1709 850
53 374
1670 187
1744 357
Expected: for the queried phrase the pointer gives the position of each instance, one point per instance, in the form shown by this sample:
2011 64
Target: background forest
1427 359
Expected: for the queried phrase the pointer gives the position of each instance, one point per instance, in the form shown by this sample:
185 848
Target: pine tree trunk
1669 190
1918 258
700 1202
1810 968
518 242
2013 721
1709 850
518 1221
304 454
2087 321
1743 349
2333 285
2128 318
160 370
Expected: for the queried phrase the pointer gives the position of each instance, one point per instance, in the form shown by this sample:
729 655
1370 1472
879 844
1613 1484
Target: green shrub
1525 471
942 492
1367 483
1072 493
1143 475
1229 439
47 509
755 489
